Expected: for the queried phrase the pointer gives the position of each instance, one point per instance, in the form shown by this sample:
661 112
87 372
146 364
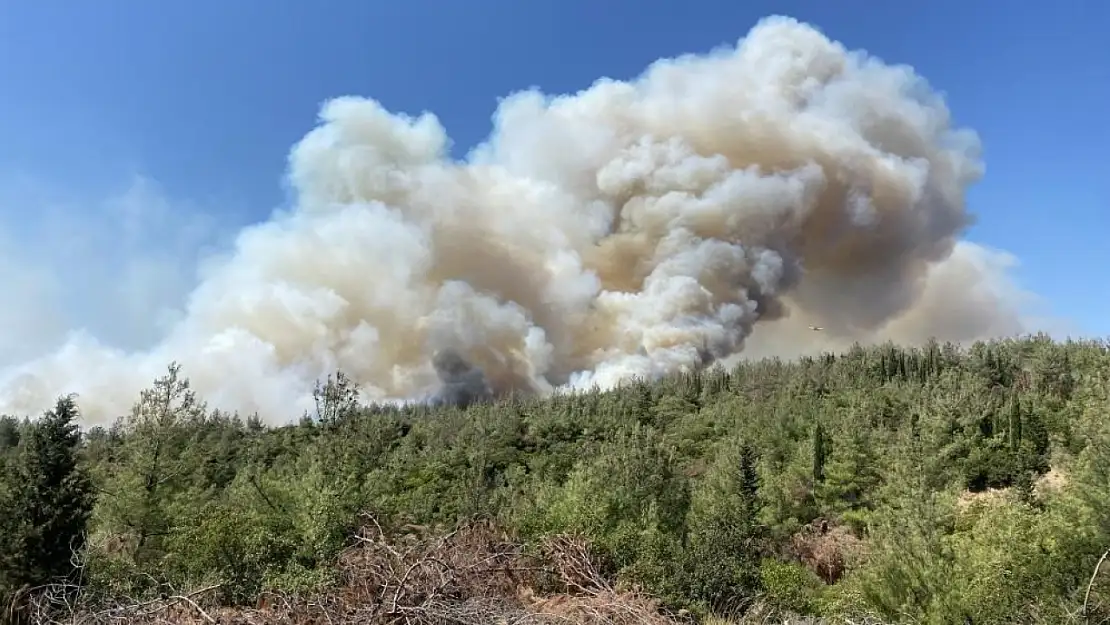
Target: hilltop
931 485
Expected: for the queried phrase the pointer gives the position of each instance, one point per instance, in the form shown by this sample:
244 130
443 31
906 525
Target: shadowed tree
48 502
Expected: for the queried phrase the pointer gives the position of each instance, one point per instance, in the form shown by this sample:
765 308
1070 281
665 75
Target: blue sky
191 107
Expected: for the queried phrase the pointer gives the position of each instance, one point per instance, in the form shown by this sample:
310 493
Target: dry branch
475 575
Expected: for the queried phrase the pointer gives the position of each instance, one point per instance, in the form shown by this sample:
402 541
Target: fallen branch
1090 584
473 576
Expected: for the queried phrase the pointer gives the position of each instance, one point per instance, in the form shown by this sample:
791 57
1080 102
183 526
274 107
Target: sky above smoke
712 209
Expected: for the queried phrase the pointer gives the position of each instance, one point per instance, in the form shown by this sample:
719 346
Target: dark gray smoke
462 383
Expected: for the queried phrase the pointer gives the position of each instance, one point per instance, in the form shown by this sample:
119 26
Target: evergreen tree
851 475
47 504
1015 423
820 453
9 433
152 466
725 537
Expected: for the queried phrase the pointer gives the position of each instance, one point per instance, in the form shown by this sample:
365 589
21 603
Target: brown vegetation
826 549
473 575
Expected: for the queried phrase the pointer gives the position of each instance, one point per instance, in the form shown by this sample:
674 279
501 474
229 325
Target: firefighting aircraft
816 328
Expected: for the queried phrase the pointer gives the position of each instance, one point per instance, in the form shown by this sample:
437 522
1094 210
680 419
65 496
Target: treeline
929 485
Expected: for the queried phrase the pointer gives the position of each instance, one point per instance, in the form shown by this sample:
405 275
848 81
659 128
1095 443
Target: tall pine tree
725 539
47 506
820 453
153 465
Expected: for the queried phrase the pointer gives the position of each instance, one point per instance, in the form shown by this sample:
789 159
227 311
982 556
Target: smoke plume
631 229
461 382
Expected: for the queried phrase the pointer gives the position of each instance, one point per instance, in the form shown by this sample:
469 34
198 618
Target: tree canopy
921 485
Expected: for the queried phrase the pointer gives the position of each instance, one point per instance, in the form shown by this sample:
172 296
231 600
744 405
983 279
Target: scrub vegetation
883 485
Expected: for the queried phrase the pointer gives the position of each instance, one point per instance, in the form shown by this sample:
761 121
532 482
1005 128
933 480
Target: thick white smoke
634 228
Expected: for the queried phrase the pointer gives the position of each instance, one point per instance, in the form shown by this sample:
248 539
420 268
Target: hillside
931 485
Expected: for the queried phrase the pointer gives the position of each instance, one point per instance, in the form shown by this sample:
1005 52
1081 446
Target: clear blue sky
207 96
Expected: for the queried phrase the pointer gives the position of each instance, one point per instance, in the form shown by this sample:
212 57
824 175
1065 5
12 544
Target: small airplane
816 328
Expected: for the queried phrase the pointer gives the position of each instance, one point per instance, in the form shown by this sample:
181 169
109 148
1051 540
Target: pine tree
152 467
9 433
1015 423
820 453
851 475
725 537
48 504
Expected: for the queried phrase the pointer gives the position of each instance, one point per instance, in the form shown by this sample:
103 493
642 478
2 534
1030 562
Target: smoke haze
711 209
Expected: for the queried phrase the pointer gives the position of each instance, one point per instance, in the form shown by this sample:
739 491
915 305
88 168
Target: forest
939 484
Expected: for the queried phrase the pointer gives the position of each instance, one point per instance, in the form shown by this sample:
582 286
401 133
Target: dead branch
1090 584
474 575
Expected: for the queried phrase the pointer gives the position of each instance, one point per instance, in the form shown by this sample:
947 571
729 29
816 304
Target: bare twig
1090 584
472 576
189 600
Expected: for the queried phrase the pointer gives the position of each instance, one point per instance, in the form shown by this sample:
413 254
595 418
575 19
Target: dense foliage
930 485
45 500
